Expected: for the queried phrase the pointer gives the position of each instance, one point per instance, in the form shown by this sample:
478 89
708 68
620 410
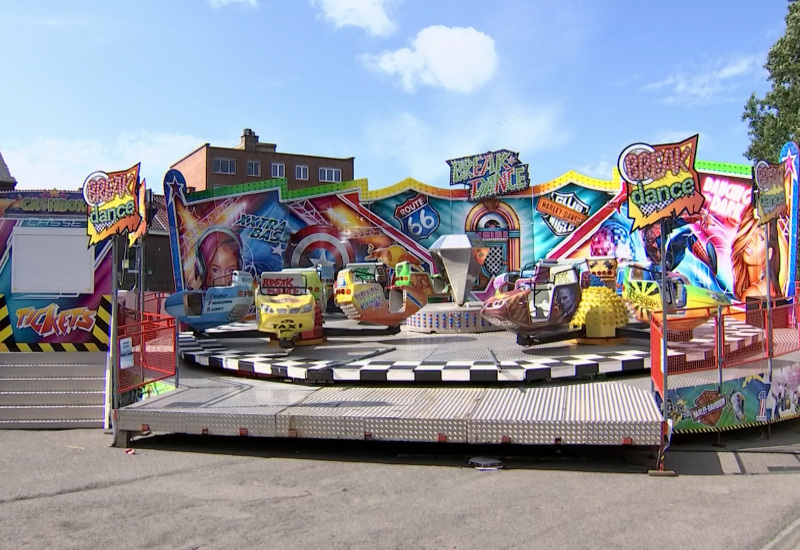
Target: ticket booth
55 291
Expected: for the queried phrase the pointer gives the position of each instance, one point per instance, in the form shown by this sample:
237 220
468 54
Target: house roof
161 220
5 175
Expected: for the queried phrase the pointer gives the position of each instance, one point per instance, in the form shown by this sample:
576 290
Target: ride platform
598 413
367 382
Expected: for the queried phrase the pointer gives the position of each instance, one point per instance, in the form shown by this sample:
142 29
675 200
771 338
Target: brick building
209 166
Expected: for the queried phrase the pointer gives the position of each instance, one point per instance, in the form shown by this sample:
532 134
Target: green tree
775 118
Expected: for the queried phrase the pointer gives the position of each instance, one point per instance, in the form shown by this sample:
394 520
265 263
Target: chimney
249 142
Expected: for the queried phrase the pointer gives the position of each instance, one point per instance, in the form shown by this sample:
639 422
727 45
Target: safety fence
704 339
147 350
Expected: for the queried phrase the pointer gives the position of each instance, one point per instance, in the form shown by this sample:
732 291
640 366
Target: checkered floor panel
211 352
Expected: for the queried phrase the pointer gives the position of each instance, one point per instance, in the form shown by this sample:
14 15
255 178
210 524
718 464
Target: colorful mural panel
51 321
260 231
742 402
713 240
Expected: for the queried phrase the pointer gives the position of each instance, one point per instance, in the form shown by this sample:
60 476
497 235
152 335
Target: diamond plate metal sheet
580 414
525 415
396 414
215 404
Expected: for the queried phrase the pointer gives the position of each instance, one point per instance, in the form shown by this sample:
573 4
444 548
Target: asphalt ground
70 489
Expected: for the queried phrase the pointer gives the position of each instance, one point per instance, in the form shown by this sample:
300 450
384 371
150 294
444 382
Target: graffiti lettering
100 189
284 282
370 298
771 190
490 174
102 219
728 199
35 204
643 301
264 229
653 165
662 194
514 179
49 320
52 223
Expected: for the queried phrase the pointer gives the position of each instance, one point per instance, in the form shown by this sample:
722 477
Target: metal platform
571 413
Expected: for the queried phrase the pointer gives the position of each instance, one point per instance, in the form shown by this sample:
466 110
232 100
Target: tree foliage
775 118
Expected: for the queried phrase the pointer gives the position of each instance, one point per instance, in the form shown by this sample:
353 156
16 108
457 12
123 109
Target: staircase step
52 384
54 358
45 398
51 412
49 424
51 371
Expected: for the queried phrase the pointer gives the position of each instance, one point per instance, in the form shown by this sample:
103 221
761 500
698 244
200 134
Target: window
224 166
253 168
47 261
278 170
301 172
330 174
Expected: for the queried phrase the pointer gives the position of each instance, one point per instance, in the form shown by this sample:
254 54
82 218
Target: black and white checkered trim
211 353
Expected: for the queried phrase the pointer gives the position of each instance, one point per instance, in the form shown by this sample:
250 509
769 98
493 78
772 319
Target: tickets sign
661 181
769 182
113 203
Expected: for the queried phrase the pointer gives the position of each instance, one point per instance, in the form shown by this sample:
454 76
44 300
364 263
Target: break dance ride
459 383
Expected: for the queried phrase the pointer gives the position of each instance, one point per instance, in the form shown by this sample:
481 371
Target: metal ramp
571 413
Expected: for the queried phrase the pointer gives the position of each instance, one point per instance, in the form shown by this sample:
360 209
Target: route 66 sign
417 217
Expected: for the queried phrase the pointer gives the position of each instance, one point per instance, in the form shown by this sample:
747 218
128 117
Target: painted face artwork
754 250
223 263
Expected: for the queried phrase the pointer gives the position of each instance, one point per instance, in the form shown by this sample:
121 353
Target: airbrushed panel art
712 238
52 321
269 229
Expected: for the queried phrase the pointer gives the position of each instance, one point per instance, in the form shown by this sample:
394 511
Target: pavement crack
101 485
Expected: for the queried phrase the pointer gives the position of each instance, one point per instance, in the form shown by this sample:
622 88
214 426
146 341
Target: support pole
720 345
769 300
533 243
664 290
140 275
112 358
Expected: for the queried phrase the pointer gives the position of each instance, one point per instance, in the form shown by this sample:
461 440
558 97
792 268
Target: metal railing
704 339
153 349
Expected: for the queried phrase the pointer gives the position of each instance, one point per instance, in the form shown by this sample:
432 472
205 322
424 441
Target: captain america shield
319 245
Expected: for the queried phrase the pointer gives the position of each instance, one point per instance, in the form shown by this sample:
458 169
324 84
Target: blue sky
401 85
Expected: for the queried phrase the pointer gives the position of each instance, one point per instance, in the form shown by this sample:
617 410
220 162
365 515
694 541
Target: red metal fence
153 349
733 336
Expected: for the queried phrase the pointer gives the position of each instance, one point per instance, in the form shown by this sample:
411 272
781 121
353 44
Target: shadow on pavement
569 458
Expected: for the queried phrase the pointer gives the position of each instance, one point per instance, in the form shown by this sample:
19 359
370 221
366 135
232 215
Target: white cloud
369 15
223 3
59 163
421 147
454 58
716 81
